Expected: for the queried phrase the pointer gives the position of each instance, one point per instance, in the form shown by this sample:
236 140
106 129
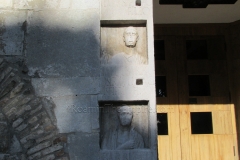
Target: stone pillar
127 77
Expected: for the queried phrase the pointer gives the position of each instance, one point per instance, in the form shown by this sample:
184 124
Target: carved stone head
130 37
125 115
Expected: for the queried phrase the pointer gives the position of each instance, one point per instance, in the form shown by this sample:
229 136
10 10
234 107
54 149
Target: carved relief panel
124 126
123 44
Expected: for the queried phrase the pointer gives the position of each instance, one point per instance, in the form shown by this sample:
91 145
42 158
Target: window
159 49
196 49
162 123
201 123
161 89
199 85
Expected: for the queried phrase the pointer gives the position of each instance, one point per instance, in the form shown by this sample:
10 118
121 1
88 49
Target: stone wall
53 79
28 123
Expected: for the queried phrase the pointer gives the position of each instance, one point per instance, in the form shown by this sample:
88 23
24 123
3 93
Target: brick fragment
36 110
43 138
35 156
21 127
16 90
39 147
17 122
52 149
32 120
60 139
32 135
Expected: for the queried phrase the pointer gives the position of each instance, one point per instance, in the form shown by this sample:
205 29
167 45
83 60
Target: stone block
2 117
21 127
52 149
64 43
49 107
36 155
78 150
15 146
4 128
53 4
33 120
52 134
17 101
85 4
125 9
5 3
35 110
66 86
39 147
12 34
95 113
17 122
16 90
73 113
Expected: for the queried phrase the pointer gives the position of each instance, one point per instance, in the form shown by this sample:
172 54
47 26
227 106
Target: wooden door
182 105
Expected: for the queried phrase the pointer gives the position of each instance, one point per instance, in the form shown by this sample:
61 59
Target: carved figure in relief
130 55
124 136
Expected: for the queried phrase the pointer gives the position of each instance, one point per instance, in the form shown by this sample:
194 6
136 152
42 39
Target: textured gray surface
73 113
65 44
12 32
66 86
83 146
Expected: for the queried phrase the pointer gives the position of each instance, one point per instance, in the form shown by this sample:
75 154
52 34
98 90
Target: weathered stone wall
28 123
50 96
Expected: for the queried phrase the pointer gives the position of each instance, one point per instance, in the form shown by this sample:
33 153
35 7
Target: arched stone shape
28 124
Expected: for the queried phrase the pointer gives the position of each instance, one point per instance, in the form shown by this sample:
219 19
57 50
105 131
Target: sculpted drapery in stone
124 136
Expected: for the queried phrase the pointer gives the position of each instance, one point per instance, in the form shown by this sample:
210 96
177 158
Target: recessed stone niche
123 43
124 130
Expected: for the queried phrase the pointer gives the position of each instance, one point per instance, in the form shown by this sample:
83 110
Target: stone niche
123 43
124 130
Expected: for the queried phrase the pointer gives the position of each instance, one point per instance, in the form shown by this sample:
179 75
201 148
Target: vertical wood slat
235 142
222 122
170 143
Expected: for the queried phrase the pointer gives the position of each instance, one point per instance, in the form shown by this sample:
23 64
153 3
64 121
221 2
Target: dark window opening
201 123
199 85
159 49
196 49
162 123
161 88
139 82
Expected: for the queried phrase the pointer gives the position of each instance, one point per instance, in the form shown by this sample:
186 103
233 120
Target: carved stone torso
114 138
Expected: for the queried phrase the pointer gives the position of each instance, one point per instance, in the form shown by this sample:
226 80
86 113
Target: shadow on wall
63 65
62 60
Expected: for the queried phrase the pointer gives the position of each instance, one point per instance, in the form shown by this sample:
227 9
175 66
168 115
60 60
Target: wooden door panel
181 144
222 122
212 147
184 118
169 145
